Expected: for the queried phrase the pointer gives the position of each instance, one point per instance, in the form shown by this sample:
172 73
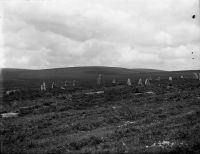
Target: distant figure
99 78
44 86
74 83
52 85
65 83
113 81
129 82
140 82
181 76
196 76
193 16
147 83
170 81
170 78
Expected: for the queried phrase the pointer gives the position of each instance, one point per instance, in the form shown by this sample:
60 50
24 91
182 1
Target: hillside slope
70 72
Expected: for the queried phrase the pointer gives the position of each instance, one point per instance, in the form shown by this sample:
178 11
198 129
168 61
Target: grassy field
121 120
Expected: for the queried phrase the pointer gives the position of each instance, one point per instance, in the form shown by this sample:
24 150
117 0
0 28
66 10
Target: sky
157 34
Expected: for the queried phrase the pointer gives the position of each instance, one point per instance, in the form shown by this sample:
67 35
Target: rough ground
122 120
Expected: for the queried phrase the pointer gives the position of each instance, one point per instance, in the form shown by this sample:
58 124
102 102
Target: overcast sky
159 34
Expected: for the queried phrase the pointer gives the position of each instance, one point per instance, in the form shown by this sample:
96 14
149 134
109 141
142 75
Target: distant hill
69 72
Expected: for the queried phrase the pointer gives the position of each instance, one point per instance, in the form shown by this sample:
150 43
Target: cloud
125 33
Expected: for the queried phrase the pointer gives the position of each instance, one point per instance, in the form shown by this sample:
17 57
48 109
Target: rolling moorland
161 118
